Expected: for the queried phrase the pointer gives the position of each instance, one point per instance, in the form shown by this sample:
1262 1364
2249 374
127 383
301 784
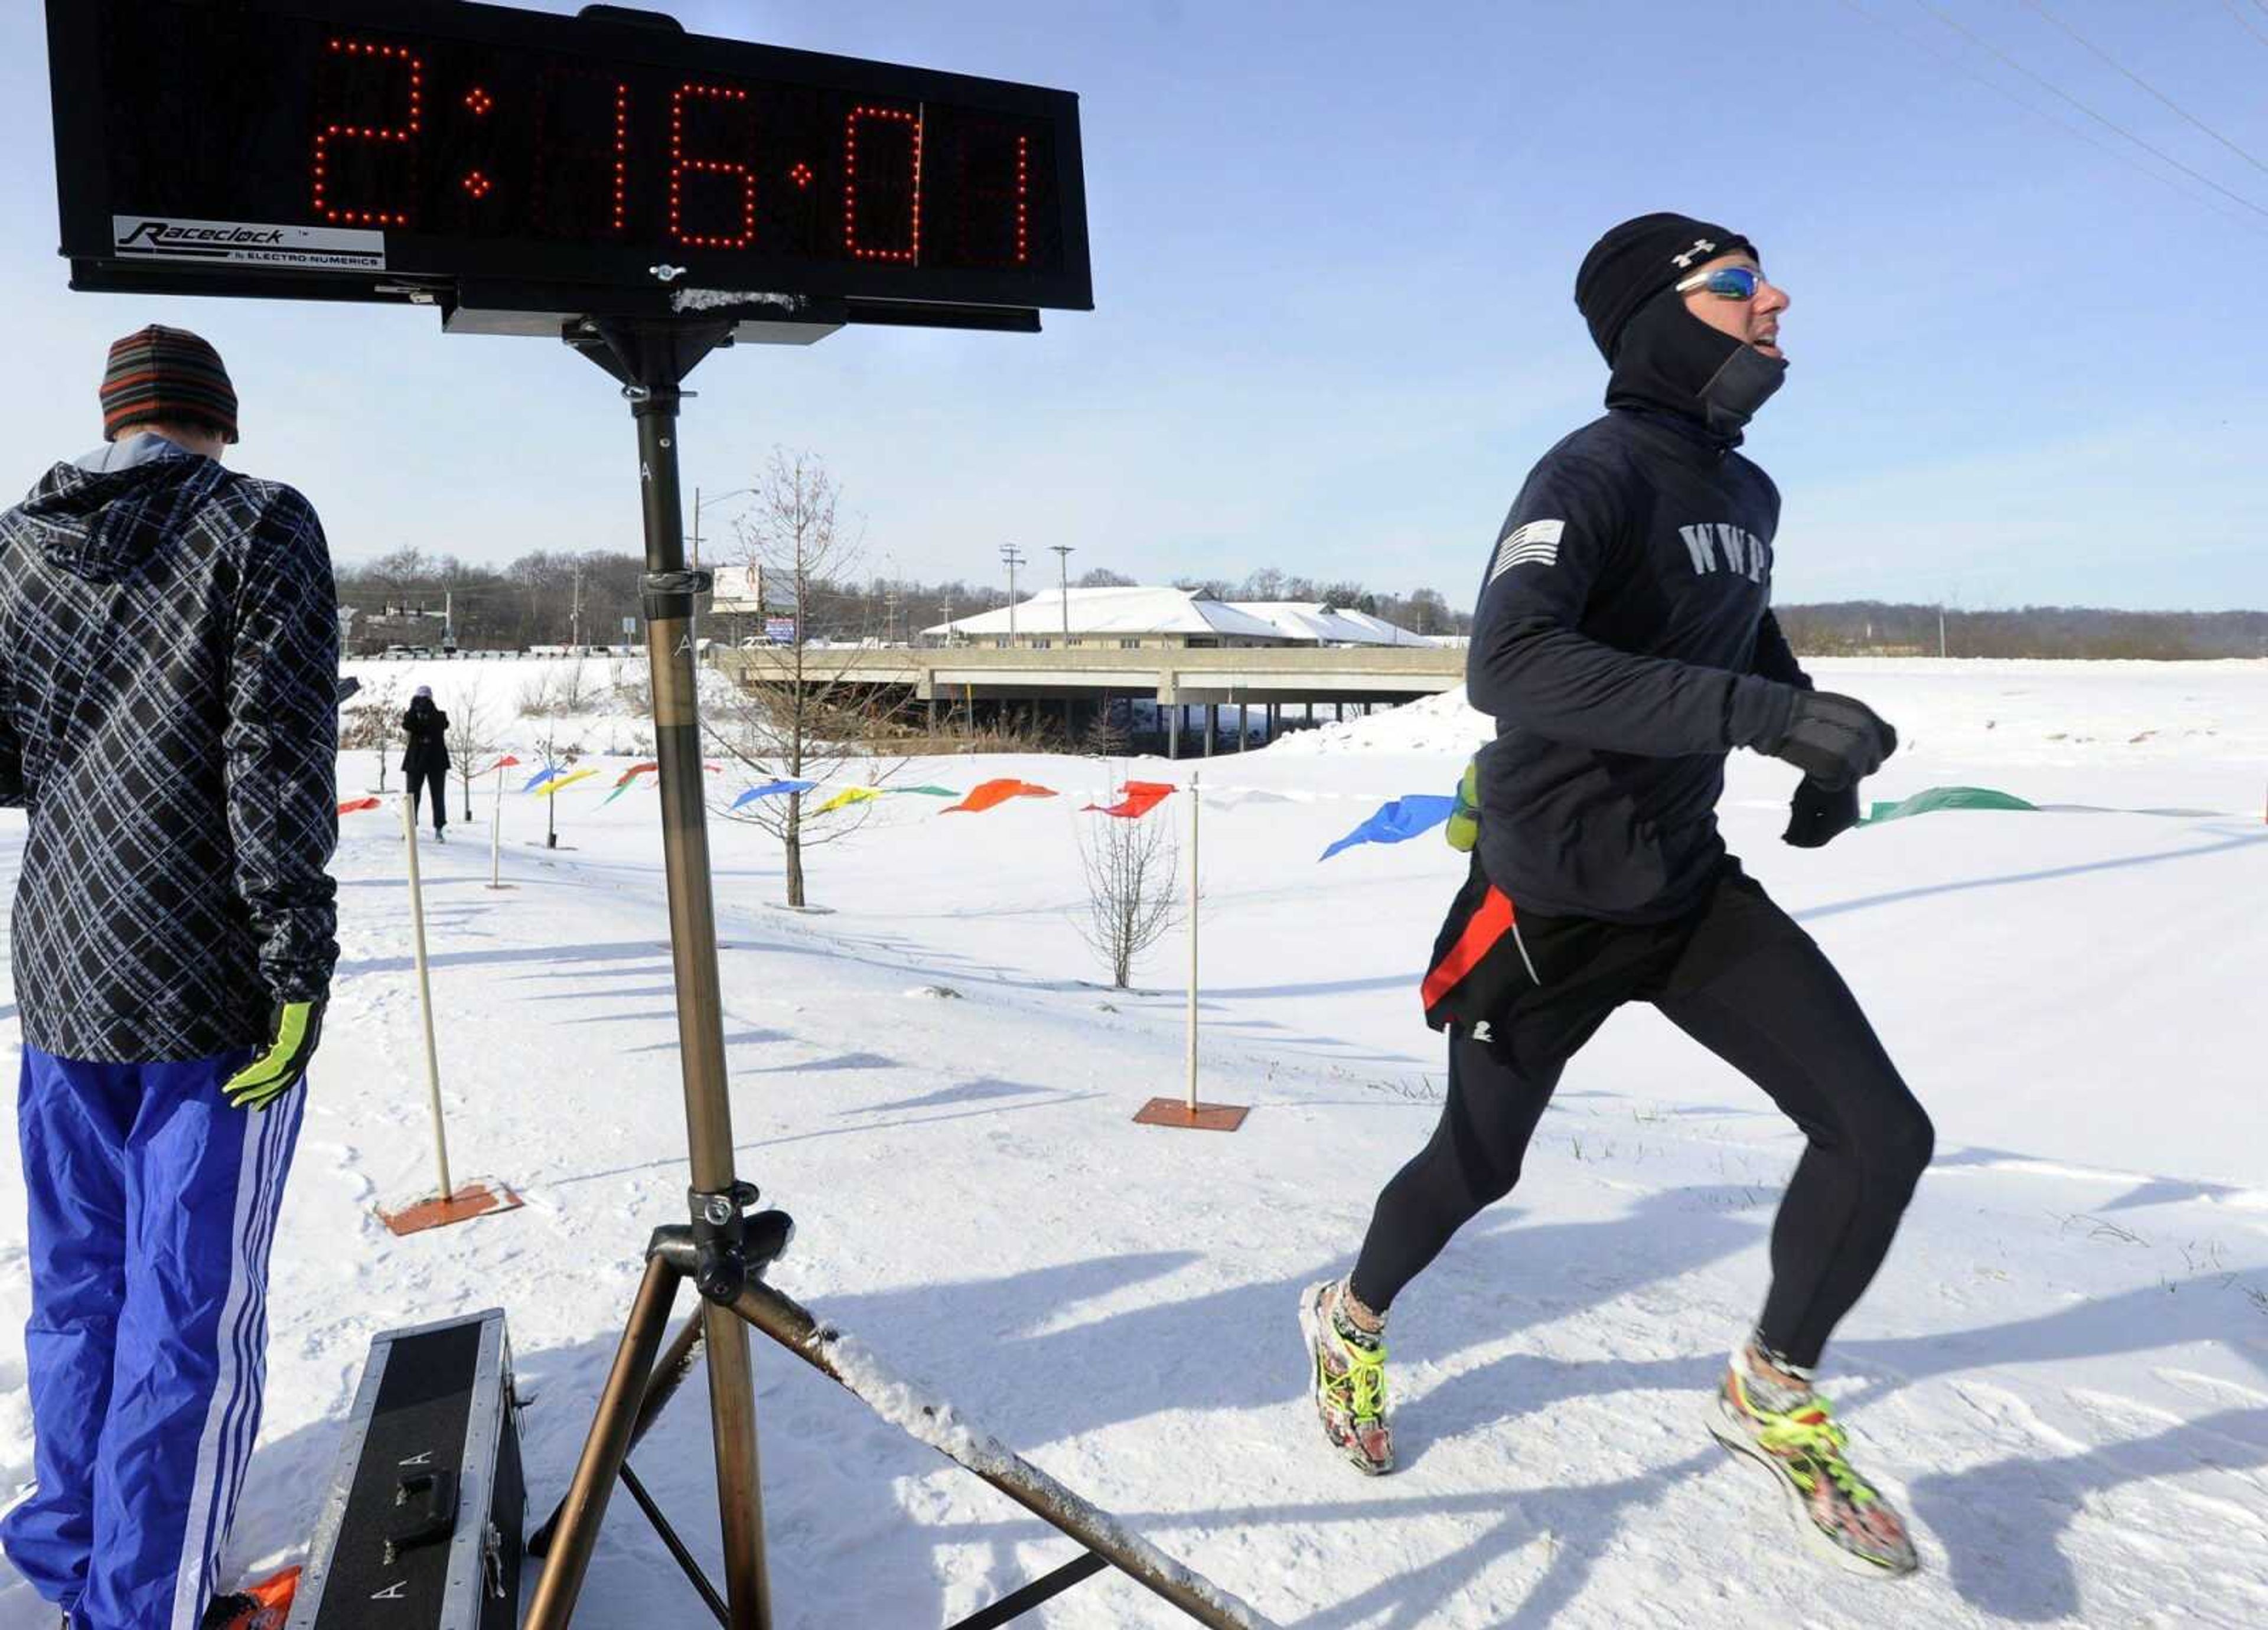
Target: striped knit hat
166 375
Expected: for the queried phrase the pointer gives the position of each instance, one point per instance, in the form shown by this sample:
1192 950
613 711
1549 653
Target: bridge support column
1174 731
1212 725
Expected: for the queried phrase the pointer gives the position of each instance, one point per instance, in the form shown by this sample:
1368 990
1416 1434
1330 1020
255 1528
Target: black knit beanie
1636 261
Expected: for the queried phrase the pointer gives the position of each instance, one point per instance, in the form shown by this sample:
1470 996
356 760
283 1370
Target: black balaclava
1662 355
1670 358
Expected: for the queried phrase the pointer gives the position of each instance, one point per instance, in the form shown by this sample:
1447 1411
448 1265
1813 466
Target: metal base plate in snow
1205 1117
475 1199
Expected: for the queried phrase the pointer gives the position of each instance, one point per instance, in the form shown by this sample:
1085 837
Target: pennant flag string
849 795
1402 819
1136 800
1938 797
551 787
990 794
627 780
773 789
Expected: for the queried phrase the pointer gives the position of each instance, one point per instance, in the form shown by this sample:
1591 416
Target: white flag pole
1189 1112
495 829
1193 942
426 995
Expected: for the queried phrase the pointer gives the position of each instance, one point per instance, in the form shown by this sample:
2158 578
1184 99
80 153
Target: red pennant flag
356 806
989 794
1137 798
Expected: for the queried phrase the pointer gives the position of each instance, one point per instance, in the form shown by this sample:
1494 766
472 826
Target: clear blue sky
1334 245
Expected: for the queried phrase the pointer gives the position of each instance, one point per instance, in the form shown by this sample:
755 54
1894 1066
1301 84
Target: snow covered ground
2064 1368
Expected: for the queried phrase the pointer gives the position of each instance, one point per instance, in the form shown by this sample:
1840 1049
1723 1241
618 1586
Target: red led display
996 173
381 57
681 167
621 156
895 176
512 147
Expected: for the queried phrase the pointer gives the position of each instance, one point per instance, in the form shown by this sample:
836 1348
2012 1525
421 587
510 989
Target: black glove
293 1030
1835 739
1817 813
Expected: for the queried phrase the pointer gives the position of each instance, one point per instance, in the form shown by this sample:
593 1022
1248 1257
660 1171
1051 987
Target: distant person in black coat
426 760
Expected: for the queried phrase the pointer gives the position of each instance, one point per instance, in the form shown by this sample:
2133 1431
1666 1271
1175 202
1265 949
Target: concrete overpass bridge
969 685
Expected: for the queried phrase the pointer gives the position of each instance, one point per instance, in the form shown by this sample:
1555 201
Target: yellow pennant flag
551 786
850 795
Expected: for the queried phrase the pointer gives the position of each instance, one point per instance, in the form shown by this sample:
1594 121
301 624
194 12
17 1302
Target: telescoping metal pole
651 360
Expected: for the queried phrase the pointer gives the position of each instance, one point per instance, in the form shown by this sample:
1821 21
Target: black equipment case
420 1528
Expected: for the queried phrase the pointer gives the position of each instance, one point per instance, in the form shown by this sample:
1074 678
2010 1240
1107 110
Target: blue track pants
152 1207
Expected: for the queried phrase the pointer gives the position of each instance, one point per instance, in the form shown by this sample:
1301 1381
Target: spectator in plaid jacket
168 667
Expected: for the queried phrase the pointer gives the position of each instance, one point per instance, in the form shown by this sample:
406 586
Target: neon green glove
293 1030
1465 829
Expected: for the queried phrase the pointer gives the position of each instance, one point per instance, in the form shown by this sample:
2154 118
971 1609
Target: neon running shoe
1791 1432
1347 1371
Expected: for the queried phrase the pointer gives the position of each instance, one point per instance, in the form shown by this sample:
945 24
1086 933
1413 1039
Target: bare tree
541 703
797 716
470 745
1106 737
372 720
1131 900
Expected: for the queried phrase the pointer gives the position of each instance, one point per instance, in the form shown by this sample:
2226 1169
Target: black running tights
1743 980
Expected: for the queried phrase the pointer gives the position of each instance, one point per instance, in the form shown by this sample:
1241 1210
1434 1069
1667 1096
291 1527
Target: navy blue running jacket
1624 645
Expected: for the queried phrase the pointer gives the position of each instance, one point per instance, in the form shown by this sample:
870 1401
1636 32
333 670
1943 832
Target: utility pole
1063 579
1014 558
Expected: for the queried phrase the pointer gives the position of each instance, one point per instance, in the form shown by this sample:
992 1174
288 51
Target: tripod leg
603 1451
669 1375
740 1492
792 1325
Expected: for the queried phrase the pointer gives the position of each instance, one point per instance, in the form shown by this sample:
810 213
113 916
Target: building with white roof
1134 619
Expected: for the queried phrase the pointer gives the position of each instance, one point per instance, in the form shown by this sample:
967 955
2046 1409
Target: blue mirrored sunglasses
1726 282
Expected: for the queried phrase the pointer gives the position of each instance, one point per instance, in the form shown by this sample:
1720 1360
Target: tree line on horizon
532 601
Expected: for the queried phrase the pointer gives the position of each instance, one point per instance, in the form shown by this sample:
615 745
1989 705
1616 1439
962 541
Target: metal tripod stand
726 1246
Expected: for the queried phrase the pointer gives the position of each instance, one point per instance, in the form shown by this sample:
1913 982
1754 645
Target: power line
2056 90
2101 146
2147 85
2248 25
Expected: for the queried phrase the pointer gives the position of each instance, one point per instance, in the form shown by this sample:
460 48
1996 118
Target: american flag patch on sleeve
1537 543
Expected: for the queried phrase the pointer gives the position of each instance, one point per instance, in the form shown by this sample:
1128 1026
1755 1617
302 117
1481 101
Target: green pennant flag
934 792
1945 797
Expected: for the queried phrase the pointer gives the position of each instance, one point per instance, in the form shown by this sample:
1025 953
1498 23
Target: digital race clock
479 157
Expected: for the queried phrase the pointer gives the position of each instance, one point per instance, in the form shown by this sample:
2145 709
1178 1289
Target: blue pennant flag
1403 818
772 789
